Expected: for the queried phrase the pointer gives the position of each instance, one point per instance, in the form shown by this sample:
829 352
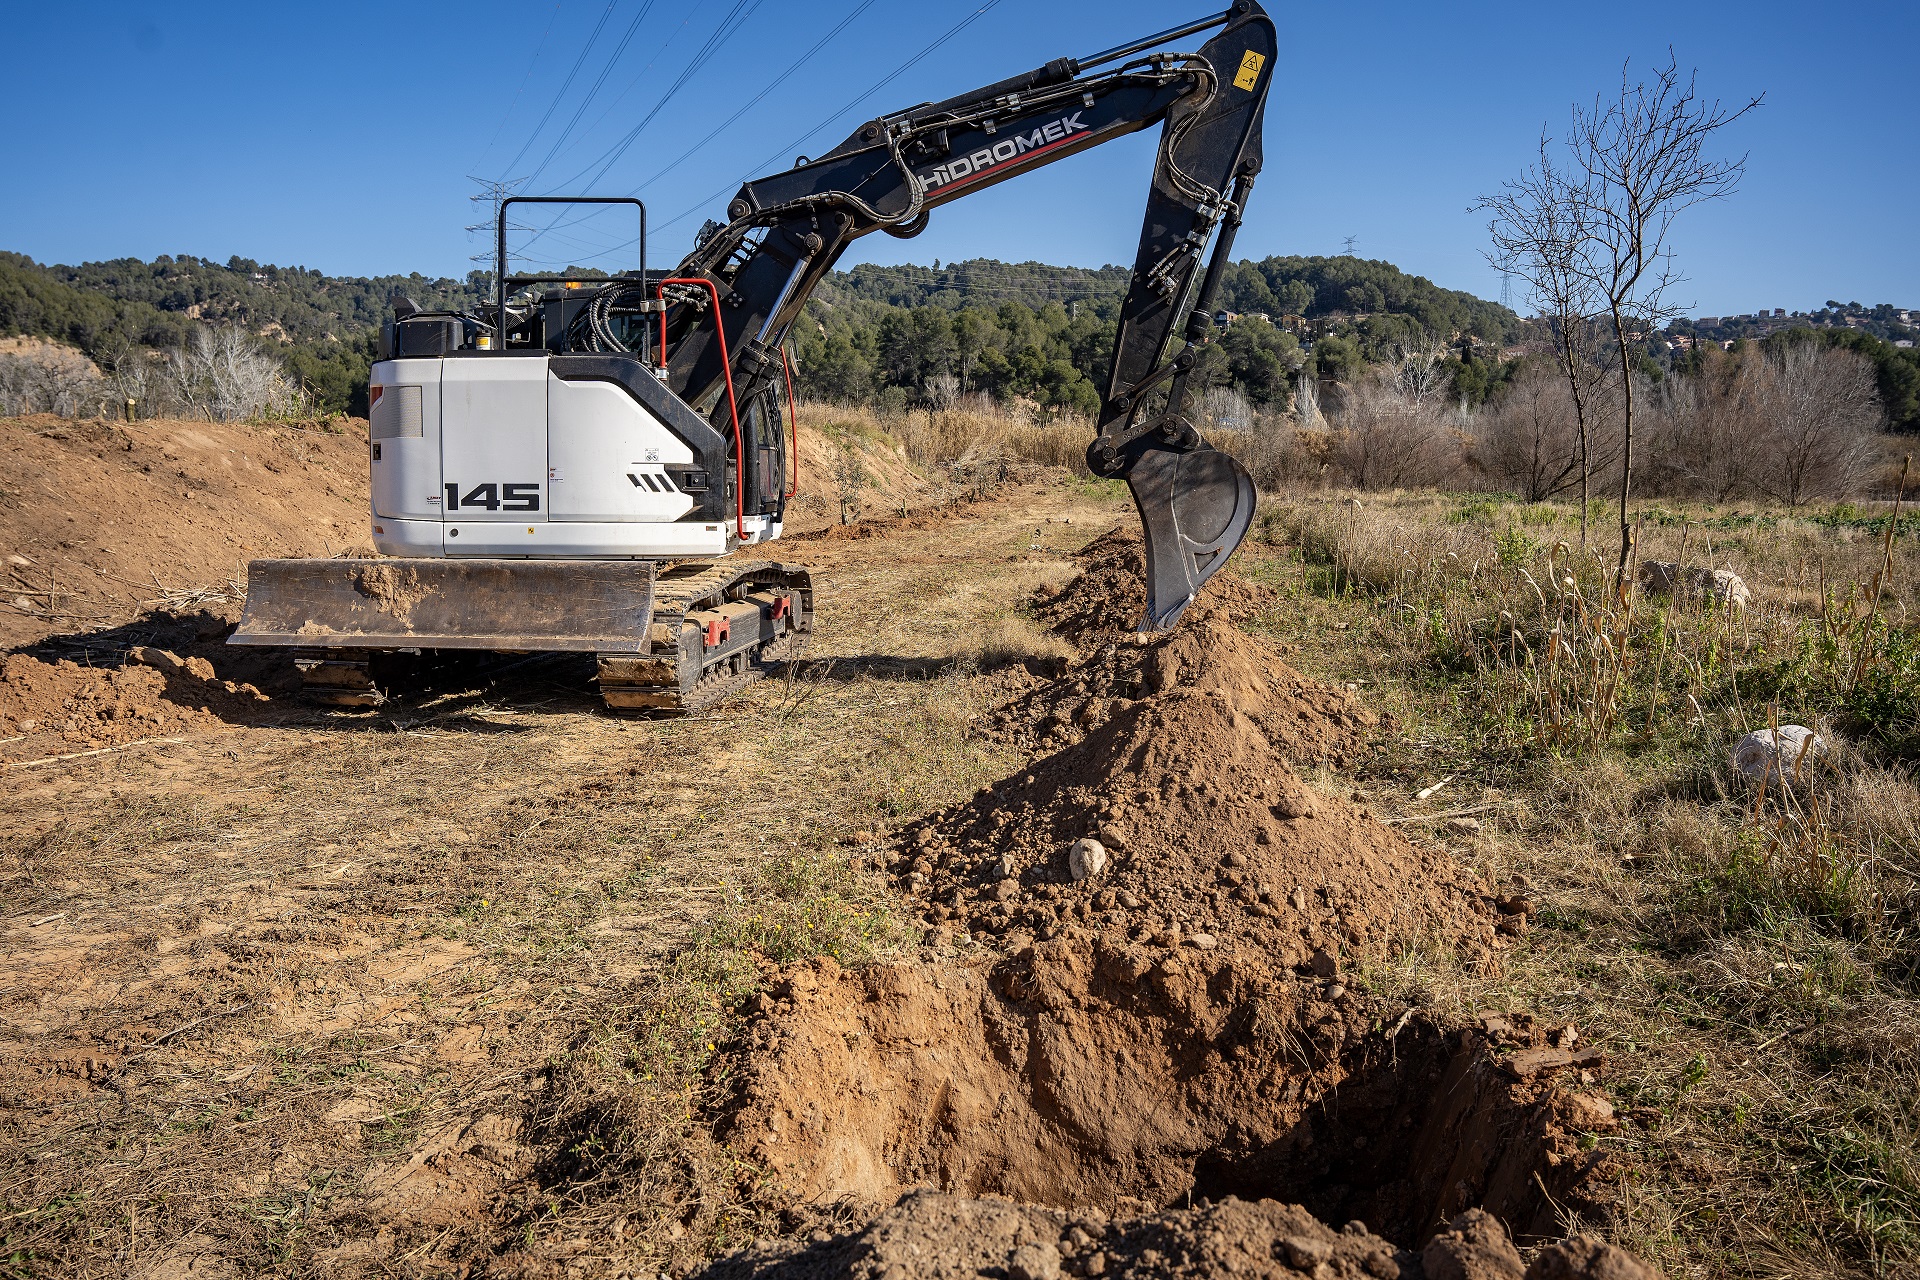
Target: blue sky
342 136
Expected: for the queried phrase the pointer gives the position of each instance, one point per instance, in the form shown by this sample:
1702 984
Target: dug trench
1145 990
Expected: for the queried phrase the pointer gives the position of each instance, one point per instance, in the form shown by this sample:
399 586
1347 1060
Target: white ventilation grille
396 413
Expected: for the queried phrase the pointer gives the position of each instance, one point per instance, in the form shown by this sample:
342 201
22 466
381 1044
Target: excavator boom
788 230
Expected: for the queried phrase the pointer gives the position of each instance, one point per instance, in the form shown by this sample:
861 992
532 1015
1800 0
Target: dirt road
283 989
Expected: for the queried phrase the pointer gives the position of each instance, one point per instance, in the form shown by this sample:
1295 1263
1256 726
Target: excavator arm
787 230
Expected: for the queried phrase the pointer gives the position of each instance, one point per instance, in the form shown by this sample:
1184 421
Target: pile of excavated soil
1165 1013
933 1235
1307 721
1106 600
45 706
162 675
1210 839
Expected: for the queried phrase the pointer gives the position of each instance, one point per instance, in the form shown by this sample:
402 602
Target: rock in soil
1784 755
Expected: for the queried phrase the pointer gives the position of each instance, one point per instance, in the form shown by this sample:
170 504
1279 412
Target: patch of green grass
808 905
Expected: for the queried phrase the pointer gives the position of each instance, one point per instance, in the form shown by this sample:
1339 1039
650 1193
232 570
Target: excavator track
717 627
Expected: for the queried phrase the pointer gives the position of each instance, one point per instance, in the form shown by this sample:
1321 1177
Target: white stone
1087 858
1665 577
1787 753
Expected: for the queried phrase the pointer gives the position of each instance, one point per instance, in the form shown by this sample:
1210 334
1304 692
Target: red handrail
726 364
793 420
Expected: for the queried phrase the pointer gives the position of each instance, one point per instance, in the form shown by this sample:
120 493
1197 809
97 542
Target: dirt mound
50 706
1206 831
1164 1014
1104 602
928 1234
99 520
1306 721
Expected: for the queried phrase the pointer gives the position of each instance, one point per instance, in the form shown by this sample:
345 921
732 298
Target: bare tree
1820 410
1641 162
1390 433
1531 440
1419 374
133 375
1306 398
49 379
1225 409
224 376
943 390
1540 234
1704 428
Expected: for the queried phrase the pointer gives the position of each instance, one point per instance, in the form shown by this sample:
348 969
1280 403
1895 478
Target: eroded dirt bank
1135 988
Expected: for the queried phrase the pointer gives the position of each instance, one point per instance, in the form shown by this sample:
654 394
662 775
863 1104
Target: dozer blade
1195 508
532 605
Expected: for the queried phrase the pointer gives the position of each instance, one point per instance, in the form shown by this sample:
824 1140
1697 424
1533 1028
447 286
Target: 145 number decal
494 497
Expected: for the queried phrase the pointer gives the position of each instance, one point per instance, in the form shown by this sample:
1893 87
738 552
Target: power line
524 80
641 76
564 85
721 34
594 89
730 24
877 86
775 83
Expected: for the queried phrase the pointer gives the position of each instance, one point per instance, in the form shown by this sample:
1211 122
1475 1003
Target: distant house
1708 322
1903 342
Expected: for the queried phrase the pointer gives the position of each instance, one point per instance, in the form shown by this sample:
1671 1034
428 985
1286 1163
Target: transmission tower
491 194
1349 243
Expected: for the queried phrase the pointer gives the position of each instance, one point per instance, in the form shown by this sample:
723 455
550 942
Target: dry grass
290 961
1745 959
972 437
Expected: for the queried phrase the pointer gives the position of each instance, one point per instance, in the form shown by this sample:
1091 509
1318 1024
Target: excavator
597 466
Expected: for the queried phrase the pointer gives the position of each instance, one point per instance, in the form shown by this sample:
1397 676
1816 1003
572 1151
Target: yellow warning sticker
1249 70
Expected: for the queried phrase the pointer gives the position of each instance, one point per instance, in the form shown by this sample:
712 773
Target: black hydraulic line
1200 322
1172 33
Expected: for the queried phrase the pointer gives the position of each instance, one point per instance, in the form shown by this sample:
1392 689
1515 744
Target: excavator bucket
590 606
1195 508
